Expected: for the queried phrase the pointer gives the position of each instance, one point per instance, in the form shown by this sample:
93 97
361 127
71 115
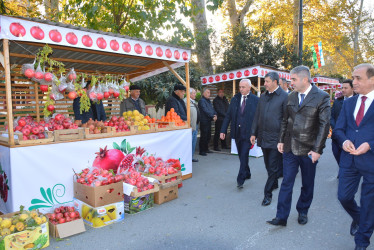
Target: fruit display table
40 176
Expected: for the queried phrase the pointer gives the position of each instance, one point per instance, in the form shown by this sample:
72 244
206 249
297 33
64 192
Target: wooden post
37 102
233 88
8 92
188 95
259 87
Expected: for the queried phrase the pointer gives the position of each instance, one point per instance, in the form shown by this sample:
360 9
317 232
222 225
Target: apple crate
87 134
164 184
69 134
132 131
166 194
19 139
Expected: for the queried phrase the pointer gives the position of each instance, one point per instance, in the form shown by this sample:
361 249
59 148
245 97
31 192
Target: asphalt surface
211 213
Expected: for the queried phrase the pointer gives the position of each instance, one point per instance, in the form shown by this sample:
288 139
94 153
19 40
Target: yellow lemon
6 223
135 112
5 232
33 214
20 226
23 217
38 220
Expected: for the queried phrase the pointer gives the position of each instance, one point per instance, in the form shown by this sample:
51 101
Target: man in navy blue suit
241 113
355 132
347 92
305 126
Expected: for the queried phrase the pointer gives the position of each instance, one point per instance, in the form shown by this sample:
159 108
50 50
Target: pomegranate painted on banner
218 78
224 77
126 47
159 52
17 30
87 41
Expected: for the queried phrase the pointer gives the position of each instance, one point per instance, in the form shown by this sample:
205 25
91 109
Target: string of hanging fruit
44 70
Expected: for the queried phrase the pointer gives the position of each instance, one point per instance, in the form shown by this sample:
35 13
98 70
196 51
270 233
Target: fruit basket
69 134
20 141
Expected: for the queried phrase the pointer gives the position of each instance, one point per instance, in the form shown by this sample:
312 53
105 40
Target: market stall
327 84
28 167
255 73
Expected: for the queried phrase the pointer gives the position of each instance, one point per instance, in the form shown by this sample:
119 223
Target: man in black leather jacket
305 126
221 105
207 114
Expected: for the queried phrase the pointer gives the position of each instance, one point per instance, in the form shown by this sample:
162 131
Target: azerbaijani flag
317 51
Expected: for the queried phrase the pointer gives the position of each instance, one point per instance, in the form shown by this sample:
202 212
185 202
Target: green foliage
43 58
249 48
157 89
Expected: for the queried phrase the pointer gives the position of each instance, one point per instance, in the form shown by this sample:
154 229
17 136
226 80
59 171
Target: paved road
211 213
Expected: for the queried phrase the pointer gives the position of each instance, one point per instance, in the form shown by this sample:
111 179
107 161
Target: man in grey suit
133 102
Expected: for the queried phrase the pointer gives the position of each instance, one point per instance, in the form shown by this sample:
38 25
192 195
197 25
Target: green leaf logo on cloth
49 197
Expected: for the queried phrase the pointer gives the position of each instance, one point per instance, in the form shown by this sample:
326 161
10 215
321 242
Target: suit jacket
335 111
346 129
231 115
128 104
268 118
220 106
178 104
206 109
306 128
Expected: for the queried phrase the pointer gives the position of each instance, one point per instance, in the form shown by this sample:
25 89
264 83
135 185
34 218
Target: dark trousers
271 159
217 129
280 168
291 164
243 146
349 179
205 135
336 150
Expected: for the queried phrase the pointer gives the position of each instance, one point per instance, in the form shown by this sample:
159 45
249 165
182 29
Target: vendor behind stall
96 112
133 102
176 101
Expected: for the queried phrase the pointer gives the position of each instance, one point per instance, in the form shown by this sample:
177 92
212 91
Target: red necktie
360 114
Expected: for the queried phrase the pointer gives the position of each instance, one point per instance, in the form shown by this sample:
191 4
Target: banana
85 210
111 212
97 222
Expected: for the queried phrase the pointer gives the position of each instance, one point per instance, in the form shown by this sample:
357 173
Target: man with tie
355 132
305 126
241 112
347 92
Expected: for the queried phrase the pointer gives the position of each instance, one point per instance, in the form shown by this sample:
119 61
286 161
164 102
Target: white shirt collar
306 91
134 99
274 90
369 95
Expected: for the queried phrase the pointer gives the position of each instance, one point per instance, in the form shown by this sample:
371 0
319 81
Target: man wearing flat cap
133 102
176 101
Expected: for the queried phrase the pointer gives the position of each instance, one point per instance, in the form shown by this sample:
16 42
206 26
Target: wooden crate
133 131
162 179
152 129
19 138
87 134
69 134
168 126
135 192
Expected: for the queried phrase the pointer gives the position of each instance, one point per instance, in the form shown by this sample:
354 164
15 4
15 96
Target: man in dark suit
355 132
347 92
220 104
241 113
305 126
266 127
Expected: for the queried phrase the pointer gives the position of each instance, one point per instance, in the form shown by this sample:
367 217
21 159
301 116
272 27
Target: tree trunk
237 17
201 36
356 34
295 24
51 10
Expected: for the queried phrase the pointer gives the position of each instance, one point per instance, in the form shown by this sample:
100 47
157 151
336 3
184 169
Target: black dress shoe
275 187
354 228
209 151
217 149
266 201
360 248
248 177
203 154
277 222
239 186
303 219
195 160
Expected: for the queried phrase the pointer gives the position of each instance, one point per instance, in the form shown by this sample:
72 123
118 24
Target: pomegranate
29 73
108 159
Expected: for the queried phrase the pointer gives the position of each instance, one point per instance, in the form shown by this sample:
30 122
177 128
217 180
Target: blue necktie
301 99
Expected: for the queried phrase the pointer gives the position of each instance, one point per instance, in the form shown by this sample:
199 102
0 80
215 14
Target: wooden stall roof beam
149 68
82 61
2 59
8 89
175 73
188 95
233 87
85 50
36 92
259 87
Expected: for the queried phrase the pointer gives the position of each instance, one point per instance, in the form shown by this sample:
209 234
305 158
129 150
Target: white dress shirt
305 93
369 100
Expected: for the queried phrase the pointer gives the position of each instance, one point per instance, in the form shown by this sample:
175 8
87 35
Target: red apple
37 33
87 41
126 47
185 56
177 55
114 45
149 50
39 75
48 77
116 94
29 73
17 30
72 95
50 108
71 38
35 130
100 96
168 53
101 43
159 52
93 95
41 136
22 123
44 88
72 77
138 48
55 36
106 95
